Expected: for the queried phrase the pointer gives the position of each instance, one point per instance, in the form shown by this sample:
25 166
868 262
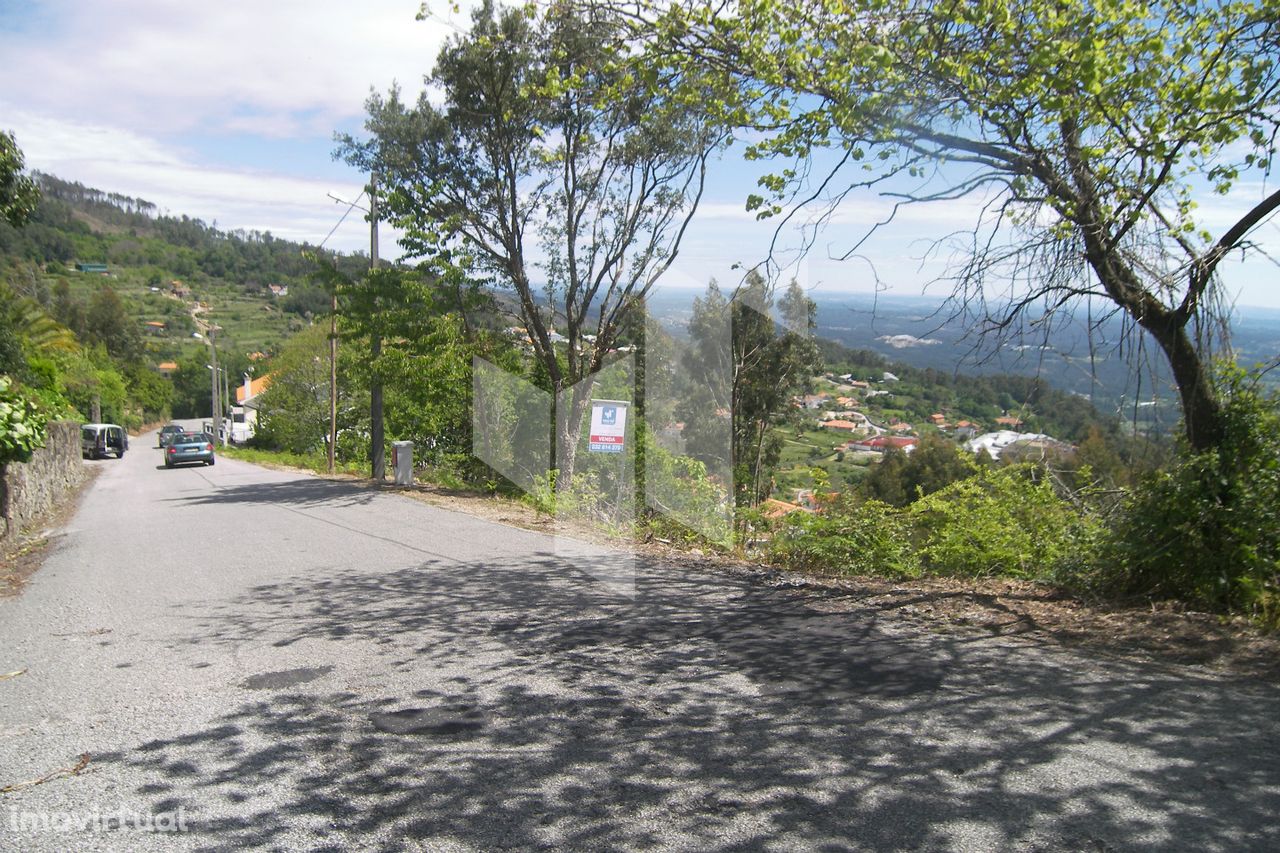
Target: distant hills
254 286
1123 376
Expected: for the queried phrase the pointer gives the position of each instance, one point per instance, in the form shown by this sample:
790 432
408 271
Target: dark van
98 441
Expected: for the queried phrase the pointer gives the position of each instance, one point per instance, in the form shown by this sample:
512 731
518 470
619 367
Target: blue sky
225 111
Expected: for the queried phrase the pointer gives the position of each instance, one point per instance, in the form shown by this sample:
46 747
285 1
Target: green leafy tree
430 327
90 376
1084 128
547 145
149 392
110 323
766 364
294 410
900 478
18 193
192 386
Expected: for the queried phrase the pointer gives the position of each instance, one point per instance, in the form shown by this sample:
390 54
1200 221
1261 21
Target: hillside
174 274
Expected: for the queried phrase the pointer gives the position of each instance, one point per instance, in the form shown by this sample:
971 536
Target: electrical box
402 462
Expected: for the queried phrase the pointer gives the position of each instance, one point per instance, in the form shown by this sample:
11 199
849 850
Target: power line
350 208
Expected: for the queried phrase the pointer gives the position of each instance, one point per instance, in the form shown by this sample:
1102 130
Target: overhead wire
350 208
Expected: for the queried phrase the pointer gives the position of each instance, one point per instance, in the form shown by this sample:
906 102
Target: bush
853 538
1207 530
22 427
1007 521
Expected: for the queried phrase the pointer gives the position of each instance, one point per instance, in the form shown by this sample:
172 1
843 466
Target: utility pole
214 408
226 397
377 453
333 373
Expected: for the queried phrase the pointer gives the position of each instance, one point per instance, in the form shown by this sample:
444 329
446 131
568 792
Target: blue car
188 447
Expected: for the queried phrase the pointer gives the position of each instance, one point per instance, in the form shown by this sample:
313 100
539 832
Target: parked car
168 431
100 440
189 447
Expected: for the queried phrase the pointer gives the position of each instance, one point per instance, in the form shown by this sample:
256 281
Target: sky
226 111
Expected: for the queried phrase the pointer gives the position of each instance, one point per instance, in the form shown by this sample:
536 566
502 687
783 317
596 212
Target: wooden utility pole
213 397
333 373
377 438
230 412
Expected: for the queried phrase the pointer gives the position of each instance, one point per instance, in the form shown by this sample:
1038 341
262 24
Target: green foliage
22 426
1091 125
294 410
18 193
1004 521
681 486
91 375
317 462
744 366
1207 529
429 333
149 393
1008 522
868 538
900 478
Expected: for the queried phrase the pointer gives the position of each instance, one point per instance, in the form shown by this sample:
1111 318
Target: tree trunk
571 404
1201 409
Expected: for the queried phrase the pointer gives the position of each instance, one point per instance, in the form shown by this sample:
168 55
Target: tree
294 411
1084 128
108 322
548 169
193 386
750 377
901 478
430 331
18 193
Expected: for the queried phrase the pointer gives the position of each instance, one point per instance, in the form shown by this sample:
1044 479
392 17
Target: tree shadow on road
302 492
523 706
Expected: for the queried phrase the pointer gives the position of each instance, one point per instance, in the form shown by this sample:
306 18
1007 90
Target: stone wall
31 489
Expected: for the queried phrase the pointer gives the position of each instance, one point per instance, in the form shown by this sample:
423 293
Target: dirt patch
1160 633
22 556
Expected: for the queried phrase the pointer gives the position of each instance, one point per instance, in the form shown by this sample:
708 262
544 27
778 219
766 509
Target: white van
99 440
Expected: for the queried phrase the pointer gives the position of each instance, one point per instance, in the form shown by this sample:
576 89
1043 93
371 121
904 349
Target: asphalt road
284 662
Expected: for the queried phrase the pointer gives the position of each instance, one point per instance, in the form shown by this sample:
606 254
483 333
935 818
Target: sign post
609 435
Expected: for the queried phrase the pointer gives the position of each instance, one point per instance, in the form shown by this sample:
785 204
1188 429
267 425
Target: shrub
853 538
22 427
1006 521
1207 530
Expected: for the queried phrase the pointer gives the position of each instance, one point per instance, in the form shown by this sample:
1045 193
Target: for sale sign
608 426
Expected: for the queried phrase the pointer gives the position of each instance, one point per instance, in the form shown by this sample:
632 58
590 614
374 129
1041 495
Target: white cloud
162 67
118 94
139 166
